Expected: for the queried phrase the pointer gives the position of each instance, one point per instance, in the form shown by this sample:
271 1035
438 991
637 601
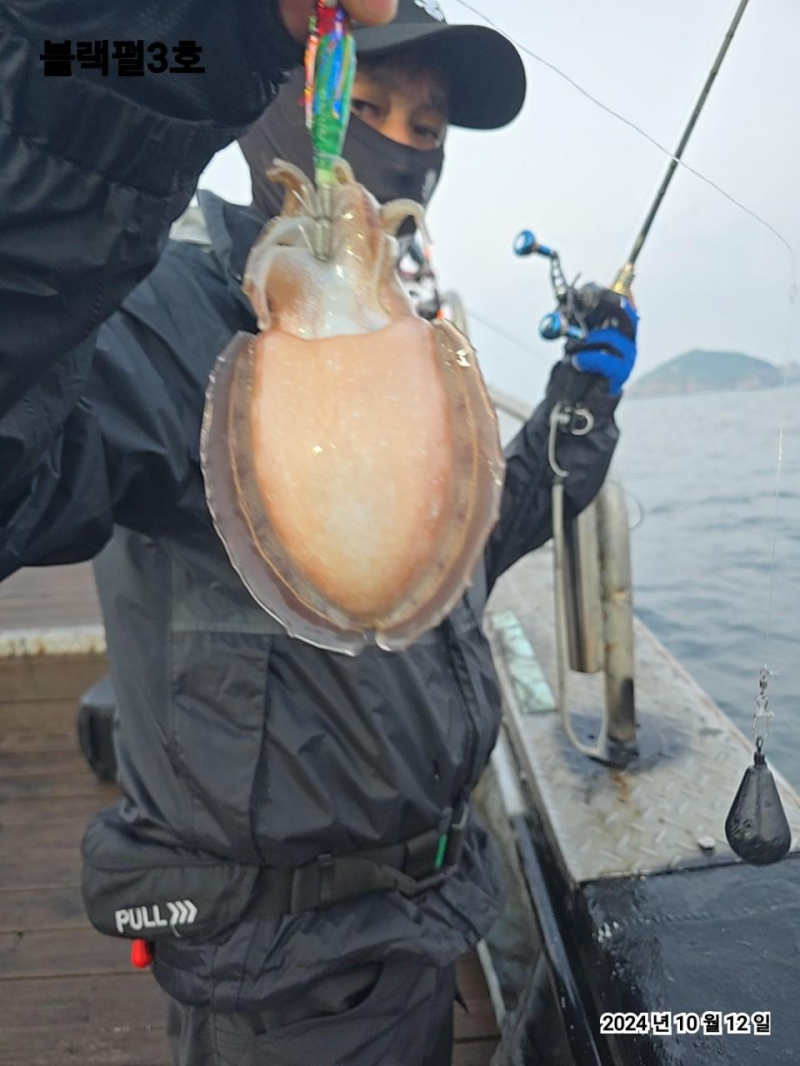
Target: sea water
701 471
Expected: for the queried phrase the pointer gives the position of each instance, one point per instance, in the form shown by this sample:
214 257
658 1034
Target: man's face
404 99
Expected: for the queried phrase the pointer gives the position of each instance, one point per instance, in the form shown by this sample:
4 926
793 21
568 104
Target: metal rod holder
594 618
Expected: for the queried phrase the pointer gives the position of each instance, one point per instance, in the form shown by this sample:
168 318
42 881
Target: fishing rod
583 607
624 279
756 827
577 305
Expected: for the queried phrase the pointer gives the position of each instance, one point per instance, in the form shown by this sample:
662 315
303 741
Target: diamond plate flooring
667 813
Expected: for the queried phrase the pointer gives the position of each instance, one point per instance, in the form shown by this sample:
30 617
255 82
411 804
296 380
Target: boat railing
594 606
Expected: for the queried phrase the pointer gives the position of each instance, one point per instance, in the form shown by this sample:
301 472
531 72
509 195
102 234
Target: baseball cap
485 72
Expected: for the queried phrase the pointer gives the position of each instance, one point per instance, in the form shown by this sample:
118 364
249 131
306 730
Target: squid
350 450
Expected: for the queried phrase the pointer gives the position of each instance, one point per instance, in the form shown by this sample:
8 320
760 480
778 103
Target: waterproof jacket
242 752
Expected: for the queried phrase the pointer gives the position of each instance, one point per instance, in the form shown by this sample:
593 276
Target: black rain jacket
241 750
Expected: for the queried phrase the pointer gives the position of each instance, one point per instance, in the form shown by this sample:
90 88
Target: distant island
700 371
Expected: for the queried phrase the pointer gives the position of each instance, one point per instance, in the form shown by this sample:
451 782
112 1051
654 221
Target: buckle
448 855
329 879
421 853
313 885
425 884
451 842
326 867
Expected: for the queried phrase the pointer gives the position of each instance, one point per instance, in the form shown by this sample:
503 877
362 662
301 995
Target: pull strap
412 867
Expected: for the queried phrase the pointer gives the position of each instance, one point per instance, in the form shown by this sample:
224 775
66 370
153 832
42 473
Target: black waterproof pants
395 1013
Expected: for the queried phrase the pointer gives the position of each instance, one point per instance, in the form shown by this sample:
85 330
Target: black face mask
389 170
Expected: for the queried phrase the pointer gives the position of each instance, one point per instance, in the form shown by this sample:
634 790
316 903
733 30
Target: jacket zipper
461 674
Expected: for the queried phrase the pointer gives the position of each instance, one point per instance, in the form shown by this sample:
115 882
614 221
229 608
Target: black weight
756 826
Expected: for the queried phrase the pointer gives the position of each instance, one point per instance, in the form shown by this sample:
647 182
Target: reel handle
525 244
559 324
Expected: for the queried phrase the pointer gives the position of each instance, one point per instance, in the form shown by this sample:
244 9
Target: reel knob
555 325
525 243
551 327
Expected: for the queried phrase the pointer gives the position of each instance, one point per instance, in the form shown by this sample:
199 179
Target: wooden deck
67 994
49 596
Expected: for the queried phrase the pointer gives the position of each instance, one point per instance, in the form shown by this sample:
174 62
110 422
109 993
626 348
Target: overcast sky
710 276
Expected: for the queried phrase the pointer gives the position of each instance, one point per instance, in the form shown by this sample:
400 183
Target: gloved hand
609 348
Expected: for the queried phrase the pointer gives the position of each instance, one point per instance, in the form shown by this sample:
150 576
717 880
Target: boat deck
69 994
49 597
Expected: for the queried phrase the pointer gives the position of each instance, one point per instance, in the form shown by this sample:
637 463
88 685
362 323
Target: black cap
485 72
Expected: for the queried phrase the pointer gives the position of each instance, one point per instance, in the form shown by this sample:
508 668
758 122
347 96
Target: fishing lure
330 73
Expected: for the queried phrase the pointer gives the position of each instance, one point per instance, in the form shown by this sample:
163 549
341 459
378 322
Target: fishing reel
579 309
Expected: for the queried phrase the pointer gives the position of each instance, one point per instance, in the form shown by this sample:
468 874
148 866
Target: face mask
389 170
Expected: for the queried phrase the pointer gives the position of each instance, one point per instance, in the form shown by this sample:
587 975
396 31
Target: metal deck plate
605 822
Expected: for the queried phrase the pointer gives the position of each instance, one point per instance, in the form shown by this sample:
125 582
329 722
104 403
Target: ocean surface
701 471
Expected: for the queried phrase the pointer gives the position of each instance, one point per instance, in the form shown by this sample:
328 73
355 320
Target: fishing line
632 125
504 333
779 471
511 338
728 196
757 828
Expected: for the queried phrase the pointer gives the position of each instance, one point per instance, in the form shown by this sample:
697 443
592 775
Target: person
294 834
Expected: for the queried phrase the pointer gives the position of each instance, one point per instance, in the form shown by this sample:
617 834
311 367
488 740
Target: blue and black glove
609 348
